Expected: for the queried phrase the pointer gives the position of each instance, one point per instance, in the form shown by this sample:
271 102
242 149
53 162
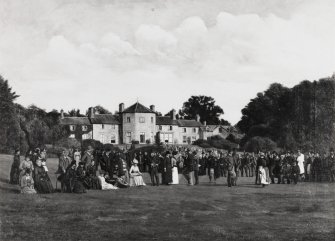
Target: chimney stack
62 114
173 114
91 112
121 107
205 123
197 118
152 107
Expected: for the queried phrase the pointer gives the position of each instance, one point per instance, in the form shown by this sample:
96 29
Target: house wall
104 134
165 131
190 135
135 127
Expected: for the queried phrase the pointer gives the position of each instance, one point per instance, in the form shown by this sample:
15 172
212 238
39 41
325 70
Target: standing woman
301 164
24 165
77 156
136 178
175 174
167 169
42 180
15 170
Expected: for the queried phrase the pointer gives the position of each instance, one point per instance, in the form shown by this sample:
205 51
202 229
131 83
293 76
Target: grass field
206 212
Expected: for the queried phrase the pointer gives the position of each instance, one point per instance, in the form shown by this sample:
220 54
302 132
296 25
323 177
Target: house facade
139 124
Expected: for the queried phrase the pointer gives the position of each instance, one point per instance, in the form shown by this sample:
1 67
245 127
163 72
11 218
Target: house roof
189 123
138 108
165 120
209 128
75 121
105 119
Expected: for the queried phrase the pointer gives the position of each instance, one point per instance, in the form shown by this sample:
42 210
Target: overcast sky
75 54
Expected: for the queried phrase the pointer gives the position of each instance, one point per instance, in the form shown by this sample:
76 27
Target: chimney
91 112
121 107
62 114
173 114
205 123
197 118
152 107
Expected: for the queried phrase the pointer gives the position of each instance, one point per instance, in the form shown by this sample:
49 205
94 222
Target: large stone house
140 124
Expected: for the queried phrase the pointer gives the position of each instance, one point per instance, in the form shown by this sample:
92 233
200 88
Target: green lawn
207 212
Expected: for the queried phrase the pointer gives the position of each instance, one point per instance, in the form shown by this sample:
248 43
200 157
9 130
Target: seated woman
104 184
69 177
42 181
15 169
136 178
118 181
92 179
80 183
27 183
24 165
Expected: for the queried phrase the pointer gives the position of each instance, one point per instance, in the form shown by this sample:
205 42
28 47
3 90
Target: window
171 128
152 120
102 138
128 119
72 127
194 130
128 137
184 130
84 128
102 126
142 120
142 137
194 139
113 139
160 128
184 139
72 136
85 136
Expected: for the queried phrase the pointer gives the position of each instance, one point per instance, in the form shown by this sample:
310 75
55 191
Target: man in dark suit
196 166
153 168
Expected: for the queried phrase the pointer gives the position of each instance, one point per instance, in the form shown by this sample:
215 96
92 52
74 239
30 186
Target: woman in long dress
42 181
24 165
175 174
167 169
104 184
27 183
15 169
136 178
262 176
301 164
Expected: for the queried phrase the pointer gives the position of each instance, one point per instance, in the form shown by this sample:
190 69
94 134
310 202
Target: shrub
90 142
258 143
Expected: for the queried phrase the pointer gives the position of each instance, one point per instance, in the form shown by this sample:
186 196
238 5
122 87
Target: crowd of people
109 169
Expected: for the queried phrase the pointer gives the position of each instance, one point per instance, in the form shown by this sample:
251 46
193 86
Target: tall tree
98 109
203 106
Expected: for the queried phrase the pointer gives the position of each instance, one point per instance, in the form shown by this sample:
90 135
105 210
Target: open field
207 212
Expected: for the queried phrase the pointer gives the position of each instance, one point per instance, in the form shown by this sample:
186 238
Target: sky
65 54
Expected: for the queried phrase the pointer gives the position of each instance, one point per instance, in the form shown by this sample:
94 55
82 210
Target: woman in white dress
175 174
301 164
136 178
104 184
262 176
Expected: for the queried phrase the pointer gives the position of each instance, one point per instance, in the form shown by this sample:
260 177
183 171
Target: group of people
117 168
31 174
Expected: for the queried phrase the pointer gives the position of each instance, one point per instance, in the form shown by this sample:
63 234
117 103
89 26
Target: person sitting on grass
42 180
104 184
24 165
262 176
295 172
136 178
27 183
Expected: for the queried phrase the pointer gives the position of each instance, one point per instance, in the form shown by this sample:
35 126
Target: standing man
230 163
196 166
88 156
154 163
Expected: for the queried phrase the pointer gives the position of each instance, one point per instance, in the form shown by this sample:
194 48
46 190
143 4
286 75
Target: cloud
162 52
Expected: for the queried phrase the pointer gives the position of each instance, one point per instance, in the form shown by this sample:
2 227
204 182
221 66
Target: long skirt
28 190
136 181
175 176
267 173
44 186
14 175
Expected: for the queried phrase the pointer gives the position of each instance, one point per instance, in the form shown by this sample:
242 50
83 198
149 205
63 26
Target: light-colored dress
136 178
262 176
175 176
77 157
105 185
27 185
301 160
24 166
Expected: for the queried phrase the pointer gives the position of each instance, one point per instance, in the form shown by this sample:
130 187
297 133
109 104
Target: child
27 183
262 176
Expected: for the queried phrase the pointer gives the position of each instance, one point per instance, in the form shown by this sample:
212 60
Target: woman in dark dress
167 169
80 183
15 170
42 181
92 179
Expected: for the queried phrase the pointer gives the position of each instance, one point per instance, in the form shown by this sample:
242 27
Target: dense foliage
298 117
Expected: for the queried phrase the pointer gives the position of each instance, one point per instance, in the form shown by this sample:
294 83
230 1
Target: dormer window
102 126
72 127
194 130
128 119
171 128
84 128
